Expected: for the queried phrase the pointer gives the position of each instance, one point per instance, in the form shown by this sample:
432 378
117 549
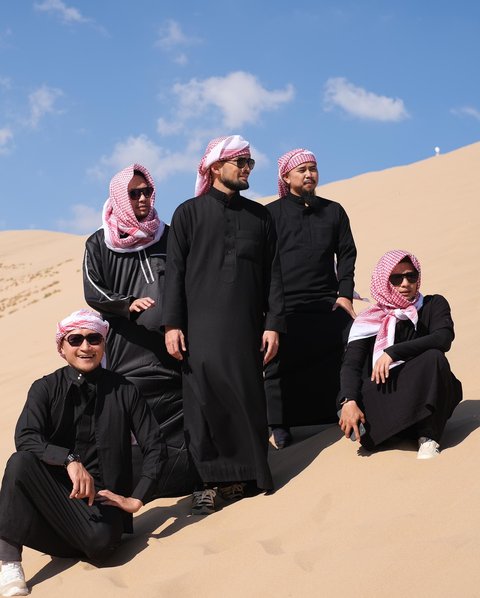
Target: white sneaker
427 448
12 579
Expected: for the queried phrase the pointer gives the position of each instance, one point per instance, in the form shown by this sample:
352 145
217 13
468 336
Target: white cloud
239 96
168 127
160 162
6 136
361 103
83 220
467 111
68 14
181 59
5 83
42 102
171 35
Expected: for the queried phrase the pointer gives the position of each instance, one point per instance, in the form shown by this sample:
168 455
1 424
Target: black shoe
280 437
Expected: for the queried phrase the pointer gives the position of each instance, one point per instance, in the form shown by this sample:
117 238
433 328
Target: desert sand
341 522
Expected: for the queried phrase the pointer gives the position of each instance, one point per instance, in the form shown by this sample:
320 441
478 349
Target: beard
234 185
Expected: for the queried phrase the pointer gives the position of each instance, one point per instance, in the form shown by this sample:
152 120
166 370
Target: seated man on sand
67 491
395 377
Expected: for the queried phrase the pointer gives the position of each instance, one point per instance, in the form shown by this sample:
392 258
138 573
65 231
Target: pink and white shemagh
119 218
288 162
220 148
381 319
83 318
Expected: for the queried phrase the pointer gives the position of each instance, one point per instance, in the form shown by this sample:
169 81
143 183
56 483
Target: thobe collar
78 378
227 200
312 201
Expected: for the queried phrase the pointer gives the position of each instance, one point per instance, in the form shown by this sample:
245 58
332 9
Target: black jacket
45 429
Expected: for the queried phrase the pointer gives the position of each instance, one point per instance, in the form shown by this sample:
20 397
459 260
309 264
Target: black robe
421 394
223 289
301 385
135 344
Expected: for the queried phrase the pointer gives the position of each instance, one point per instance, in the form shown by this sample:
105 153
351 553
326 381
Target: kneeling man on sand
67 491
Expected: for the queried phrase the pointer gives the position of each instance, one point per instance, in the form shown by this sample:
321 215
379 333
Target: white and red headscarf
221 148
381 319
119 218
83 318
289 161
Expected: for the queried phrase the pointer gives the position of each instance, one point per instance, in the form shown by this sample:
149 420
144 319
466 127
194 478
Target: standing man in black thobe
123 278
68 489
223 312
317 255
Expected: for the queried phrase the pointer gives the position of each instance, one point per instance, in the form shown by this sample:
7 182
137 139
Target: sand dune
340 523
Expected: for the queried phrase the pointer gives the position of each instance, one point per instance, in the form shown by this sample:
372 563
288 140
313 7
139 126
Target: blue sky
88 87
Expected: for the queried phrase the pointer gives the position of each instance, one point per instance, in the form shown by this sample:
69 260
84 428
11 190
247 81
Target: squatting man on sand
395 378
67 491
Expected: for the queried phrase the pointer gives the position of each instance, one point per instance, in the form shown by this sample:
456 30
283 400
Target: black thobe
223 289
64 413
421 394
302 383
135 344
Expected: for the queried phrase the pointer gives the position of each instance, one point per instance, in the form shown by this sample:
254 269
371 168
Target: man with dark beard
223 312
317 255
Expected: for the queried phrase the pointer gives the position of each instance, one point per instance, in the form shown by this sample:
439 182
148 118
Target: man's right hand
141 304
175 342
350 417
83 486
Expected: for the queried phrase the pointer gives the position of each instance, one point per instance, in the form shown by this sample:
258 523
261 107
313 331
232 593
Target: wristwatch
345 400
71 457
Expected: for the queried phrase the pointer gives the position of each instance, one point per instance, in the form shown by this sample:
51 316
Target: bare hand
128 504
141 304
350 417
345 304
83 486
381 370
175 342
270 342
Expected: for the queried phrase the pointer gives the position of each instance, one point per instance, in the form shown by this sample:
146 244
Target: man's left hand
345 304
381 369
270 341
128 504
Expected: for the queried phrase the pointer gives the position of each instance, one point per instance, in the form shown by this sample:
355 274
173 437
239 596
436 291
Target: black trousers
302 382
36 511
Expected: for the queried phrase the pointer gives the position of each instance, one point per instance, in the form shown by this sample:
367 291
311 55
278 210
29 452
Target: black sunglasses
136 194
76 340
397 279
242 162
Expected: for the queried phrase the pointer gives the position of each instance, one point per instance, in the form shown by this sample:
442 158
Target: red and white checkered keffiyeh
221 148
83 318
119 218
381 319
288 162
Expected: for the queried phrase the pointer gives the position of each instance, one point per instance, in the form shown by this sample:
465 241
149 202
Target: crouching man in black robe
223 311
123 279
68 491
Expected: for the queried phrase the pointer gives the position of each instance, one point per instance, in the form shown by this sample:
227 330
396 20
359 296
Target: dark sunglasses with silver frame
136 194
242 162
76 340
397 279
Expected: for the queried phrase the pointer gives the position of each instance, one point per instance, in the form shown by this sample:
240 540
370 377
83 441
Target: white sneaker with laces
427 448
12 579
